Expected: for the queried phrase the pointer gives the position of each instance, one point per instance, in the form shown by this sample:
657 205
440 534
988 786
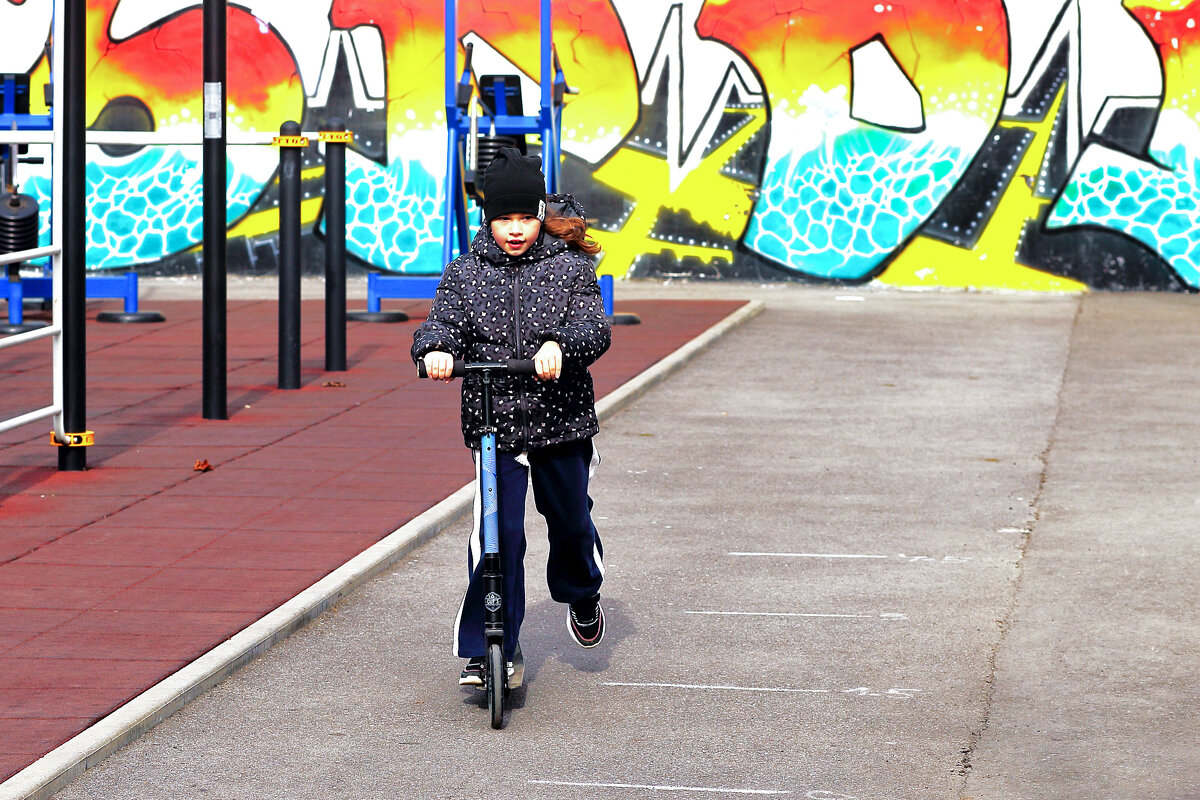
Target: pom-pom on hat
513 184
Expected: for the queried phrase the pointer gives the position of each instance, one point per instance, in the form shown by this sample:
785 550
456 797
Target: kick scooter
495 681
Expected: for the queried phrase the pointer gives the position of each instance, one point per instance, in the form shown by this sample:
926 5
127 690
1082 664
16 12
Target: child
527 289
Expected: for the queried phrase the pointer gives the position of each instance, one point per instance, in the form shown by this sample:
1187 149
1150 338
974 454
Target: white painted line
810 555
769 689
890 617
1014 530
851 556
653 788
851 298
855 691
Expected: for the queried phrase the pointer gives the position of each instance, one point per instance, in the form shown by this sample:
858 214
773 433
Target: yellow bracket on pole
85 439
290 141
337 137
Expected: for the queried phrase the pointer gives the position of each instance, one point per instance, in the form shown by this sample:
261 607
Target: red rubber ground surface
113 578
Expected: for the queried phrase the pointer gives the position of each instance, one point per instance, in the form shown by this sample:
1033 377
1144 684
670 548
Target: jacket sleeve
586 334
448 324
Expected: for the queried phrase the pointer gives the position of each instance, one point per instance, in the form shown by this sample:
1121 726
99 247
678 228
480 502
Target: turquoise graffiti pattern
838 212
148 207
1157 207
394 215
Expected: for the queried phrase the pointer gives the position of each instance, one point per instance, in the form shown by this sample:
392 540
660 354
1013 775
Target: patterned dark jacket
491 307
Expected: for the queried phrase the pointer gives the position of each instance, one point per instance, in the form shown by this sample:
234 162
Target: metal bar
214 289
335 251
289 260
30 336
29 255
143 138
73 268
16 302
547 61
451 28
57 221
32 416
402 287
453 191
452 122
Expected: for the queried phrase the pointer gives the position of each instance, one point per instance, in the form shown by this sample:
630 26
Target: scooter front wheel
497 674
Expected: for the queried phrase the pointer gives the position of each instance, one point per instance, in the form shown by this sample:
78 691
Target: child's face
516 233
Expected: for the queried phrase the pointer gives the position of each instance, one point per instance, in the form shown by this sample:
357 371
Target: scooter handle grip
513 366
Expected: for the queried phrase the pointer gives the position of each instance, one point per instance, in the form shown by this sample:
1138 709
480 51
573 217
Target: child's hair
572 230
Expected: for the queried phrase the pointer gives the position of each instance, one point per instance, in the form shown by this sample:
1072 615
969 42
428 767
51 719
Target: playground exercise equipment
468 151
19 216
67 248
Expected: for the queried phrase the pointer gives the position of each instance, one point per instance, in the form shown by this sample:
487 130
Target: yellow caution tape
337 137
85 439
290 141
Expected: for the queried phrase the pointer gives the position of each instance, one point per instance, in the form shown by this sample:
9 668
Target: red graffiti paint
163 67
794 44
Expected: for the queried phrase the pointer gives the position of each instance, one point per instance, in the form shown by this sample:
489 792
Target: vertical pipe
452 189
58 191
73 203
606 294
16 297
451 63
549 146
451 23
335 251
289 260
214 290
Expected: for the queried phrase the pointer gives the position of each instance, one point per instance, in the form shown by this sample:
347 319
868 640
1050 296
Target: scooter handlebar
513 366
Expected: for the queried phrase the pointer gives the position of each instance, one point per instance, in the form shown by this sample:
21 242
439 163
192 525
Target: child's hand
439 366
548 361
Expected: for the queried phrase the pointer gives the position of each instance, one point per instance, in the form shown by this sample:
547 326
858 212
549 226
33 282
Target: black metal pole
289 258
74 226
214 290
335 250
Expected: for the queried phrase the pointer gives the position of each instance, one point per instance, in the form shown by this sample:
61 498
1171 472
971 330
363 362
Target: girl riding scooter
527 289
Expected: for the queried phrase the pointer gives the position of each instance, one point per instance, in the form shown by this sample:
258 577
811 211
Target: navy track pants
574 570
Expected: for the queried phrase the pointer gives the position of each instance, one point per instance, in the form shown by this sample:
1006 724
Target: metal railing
54 251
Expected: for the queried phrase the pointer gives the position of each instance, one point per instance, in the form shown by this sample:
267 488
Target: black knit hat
513 184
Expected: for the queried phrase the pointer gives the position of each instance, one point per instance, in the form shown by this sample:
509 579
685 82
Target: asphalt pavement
867 545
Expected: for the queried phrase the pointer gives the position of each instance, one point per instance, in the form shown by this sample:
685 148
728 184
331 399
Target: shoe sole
471 681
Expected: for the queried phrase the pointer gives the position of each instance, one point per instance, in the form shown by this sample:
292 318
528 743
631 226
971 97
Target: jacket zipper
525 432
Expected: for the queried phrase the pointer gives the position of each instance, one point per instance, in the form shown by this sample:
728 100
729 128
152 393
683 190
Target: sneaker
585 621
472 674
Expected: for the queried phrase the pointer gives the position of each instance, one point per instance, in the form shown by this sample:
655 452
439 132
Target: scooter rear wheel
496 679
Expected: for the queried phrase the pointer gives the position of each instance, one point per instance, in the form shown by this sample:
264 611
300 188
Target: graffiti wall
1017 144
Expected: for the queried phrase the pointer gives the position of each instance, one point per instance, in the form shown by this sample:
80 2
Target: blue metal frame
547 124
24 122
424 287
120 287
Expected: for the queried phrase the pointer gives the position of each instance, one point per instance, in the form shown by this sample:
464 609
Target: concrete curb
59 767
